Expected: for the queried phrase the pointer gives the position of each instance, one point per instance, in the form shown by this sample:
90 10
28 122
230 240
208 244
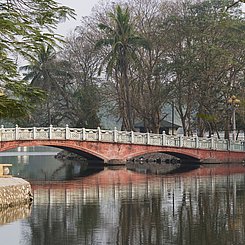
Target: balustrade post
181 141
196 141
241 146
212 142
228 144
67 132
232 145
147 138
50 131
83 134
115 135
132 136
99 133
16 132
34 133
163 138
2 128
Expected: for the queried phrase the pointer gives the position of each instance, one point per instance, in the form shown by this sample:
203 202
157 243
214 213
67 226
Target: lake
81 203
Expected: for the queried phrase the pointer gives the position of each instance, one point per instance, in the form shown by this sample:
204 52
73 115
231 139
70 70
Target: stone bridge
113 146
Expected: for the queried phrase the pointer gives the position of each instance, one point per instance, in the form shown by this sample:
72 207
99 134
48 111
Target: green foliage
72 94
22 29
86 99
122 39
18 100
41 67
23 25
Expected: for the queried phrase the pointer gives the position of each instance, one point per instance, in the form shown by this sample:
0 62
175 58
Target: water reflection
161 168
42 167
75 203
123 207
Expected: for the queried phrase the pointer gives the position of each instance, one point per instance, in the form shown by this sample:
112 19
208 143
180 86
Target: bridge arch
78 149
82 152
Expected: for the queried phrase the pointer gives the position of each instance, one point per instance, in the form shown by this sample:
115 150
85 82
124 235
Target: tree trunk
128 103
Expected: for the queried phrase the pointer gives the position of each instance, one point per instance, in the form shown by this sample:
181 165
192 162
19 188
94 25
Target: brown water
118 206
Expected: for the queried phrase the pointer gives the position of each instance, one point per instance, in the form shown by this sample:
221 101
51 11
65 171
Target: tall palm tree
39 72
122 41
44 70
40 66
47 73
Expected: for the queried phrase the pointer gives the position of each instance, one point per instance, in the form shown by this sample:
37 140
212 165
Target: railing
115 136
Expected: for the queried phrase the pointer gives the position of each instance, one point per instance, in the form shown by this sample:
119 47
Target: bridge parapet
115 136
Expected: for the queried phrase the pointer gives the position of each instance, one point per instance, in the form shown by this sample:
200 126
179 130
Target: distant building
166 126
109 121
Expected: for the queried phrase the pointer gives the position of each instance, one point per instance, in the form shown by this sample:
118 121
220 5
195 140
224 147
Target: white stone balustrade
115 136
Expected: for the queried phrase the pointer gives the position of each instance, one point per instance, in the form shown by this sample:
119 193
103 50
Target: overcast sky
82 8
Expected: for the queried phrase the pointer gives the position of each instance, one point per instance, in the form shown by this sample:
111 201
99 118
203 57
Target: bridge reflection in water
204 206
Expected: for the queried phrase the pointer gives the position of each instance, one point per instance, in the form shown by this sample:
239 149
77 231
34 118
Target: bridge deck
115 136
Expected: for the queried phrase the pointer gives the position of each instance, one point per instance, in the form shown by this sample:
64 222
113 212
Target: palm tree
122 42
47 73
39 72
40 66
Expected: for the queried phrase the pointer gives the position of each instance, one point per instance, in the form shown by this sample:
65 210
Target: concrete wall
14 191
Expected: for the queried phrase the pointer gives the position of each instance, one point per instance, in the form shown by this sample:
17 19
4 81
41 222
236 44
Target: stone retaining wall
11 214
14 191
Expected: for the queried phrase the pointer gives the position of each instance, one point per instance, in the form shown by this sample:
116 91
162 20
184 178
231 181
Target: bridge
113 146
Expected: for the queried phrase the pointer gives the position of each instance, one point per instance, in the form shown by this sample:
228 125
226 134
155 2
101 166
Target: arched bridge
119 146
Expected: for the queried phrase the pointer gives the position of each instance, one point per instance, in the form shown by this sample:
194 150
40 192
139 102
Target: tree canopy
150 56
196 60
25 25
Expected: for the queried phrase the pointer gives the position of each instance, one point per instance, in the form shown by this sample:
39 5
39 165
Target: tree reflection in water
123 207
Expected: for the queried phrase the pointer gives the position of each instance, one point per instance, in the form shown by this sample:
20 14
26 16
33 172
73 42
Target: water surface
77 204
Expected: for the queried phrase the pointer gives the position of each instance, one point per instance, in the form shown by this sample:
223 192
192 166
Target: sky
82 8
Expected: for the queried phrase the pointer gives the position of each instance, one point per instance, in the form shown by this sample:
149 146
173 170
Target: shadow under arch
185 158
87 155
